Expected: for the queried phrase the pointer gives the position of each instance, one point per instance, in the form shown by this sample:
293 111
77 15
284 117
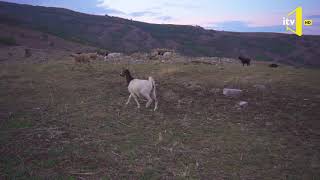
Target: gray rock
260 87
192 85
167 54
232 92
243 103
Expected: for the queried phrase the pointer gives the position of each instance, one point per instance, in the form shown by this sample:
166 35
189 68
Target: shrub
9 41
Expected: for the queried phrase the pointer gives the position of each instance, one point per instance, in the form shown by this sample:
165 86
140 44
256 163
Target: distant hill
117 34
15 40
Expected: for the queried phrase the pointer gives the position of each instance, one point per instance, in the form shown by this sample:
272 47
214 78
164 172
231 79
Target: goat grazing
273 65
81 58
138 88
106 56
244 60
84 57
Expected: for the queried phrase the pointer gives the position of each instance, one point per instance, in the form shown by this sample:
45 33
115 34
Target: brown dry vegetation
64 122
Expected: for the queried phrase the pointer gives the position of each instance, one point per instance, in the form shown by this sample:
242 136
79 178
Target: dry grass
64 122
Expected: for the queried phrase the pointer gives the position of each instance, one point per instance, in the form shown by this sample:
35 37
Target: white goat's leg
129 99
136 99
149 100
156 105
154 97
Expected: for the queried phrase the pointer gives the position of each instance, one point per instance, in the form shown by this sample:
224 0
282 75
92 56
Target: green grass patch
49 163
150 174
17 122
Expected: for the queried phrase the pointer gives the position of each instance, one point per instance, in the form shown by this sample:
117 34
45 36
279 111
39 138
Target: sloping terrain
61 121
15 40
116 34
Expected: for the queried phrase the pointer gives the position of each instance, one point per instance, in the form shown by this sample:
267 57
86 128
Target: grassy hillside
15 40
116 34
64 121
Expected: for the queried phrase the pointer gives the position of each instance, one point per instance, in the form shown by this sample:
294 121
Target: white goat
138 88
114 55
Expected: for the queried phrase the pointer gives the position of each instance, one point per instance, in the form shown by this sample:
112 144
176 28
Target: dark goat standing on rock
244 60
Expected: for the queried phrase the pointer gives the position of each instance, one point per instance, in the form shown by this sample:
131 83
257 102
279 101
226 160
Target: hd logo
295 23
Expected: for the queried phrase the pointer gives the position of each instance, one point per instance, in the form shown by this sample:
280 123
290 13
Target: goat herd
138 87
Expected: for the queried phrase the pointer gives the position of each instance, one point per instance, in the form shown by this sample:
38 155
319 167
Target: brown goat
84 57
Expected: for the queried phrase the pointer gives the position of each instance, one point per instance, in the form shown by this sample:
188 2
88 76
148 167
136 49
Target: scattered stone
215 90
260 87
232 92
268 123
200 93
11 114
160 137
167 54
179 104
243 103
192 85
227 60
186 121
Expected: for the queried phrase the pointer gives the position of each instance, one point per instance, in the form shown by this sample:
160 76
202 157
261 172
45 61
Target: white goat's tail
153 93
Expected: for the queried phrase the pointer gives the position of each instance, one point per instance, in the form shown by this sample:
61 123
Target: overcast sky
228 15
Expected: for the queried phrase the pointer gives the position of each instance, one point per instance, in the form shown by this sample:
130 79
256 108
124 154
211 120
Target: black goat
244 60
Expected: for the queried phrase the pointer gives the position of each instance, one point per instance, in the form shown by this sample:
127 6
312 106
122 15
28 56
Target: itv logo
295 22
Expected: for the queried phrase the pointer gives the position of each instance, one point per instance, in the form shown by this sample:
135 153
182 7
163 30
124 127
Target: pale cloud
130 6
140 10
201 12
244 26
314 16
143 13
165 18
